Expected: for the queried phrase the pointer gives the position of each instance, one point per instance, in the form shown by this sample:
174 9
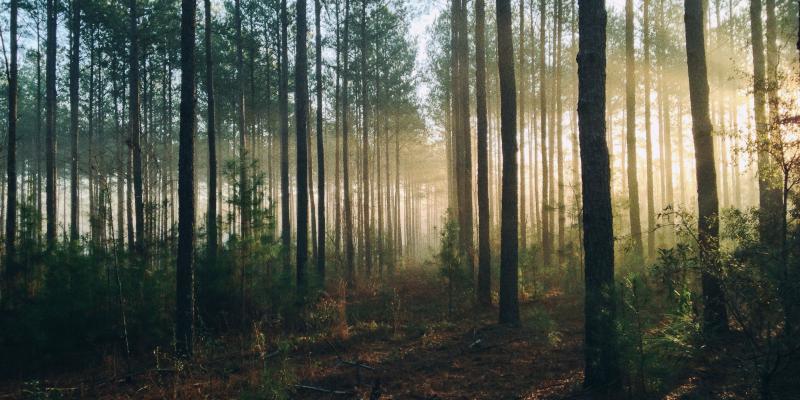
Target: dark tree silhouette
601 374
50 122
714 314
320 146
184 292
74 117
135 127
301 125
283 110
484 294
509 302
11 169
630 129
211 223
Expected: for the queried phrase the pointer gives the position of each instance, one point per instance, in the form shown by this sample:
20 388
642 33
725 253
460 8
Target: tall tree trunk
50 122
547 240
602 373
320 148
630 117
484 295
244 185
184 292
714 313
348 211
283 110
562 218
135 128
211 221
365 182
337 239
768 193
521 114
651 213
301 125
509 302
74 115
11 170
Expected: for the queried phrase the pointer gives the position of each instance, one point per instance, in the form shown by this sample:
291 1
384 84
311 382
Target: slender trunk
50 122
521 114
484 295
348 212
211 125
11 170
651 212
630 115
509 302
283 110
714 313
184 292
768 194
244 185
547 244
135 128
602 373
74 112
320 148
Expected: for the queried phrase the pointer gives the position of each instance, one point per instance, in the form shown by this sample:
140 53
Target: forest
400 199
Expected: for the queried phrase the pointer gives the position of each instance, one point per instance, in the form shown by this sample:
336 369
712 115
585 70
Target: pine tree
602 373
714 313
184 292
509 303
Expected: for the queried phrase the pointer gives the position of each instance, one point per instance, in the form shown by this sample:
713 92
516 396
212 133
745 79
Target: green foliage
659 333
451 260
276 377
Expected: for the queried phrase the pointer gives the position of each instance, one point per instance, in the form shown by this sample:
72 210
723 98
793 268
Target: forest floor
400 343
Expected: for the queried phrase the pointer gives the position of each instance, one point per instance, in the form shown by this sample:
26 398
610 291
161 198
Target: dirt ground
400 343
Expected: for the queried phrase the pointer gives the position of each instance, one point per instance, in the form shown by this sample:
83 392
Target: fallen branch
356 364
323 390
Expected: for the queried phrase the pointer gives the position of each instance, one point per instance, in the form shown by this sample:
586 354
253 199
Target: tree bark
320 148
50 123
283 110
714 313
301 126
74 112
211 222
11 170
602 373
484 295
184 302
509 302
135 128
547 240
630 129
768 192
348 211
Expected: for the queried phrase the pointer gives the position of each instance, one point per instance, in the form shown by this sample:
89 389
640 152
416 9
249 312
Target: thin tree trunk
283 110
484 295
135 128
320 149
11 169
602 373
509 302
184 302
651 212
768 193
348 212
74 111
630 117
211 218
50 122
547 241
714 313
